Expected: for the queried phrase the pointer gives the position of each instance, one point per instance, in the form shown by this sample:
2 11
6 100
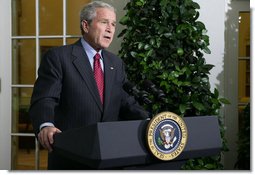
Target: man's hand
45 136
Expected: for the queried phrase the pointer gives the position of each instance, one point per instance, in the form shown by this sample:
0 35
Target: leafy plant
164 42
243 161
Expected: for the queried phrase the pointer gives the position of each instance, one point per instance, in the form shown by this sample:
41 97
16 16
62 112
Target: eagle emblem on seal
167 136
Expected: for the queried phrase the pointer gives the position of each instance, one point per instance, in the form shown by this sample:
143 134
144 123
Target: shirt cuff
46 124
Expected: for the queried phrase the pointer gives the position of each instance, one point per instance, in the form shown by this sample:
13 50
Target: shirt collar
90 51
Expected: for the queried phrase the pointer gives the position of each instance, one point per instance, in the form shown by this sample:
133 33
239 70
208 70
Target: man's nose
109 29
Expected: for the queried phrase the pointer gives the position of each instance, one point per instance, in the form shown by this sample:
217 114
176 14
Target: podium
122 144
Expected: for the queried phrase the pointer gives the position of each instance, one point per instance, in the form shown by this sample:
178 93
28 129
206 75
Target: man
71 91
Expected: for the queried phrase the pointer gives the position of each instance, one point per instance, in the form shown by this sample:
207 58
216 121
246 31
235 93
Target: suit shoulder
64 48
61 48
111 56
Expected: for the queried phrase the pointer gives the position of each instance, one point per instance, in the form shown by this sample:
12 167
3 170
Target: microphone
149 86
140 96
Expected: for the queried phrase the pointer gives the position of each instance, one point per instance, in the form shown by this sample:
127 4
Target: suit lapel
81 62
109 72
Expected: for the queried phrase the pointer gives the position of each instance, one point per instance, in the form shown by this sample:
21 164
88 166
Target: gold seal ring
166 135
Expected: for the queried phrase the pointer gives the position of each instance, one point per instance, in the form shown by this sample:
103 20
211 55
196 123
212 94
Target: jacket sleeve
47 90
130 108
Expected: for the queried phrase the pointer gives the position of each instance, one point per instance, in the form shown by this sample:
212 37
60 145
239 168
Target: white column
233 7
5 87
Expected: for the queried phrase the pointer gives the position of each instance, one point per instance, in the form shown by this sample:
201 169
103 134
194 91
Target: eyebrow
104 19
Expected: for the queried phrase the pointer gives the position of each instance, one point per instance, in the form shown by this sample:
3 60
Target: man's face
99 33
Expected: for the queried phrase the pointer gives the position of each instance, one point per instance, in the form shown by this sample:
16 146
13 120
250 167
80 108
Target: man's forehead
101 12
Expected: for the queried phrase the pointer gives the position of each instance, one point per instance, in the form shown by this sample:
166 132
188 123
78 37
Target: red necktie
99 76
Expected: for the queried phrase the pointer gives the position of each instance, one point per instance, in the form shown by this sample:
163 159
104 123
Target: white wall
212 14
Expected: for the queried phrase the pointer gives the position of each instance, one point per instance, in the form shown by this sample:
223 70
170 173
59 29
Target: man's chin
105 46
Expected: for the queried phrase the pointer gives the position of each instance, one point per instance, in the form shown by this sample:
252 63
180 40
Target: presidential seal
166 135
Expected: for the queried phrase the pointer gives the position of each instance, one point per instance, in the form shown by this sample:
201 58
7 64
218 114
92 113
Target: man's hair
88 12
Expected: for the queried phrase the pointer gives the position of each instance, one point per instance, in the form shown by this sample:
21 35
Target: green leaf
163 76
198 106
124 20
182 108
142 55
195 5
204 31
133 54
200 161
152 41
158 42
200 25
208 67
140 3
180 51
207 50
123 32
163 3
224 101
140 45
150 52
206 39
186 83
147 47
167 35
210 166
216 93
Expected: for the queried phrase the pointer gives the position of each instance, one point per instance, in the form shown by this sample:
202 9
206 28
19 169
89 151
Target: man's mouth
107 37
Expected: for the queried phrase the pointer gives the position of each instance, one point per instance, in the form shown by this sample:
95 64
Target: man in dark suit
67 94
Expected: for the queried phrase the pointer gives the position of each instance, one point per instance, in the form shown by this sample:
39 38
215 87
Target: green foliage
164 42
243 161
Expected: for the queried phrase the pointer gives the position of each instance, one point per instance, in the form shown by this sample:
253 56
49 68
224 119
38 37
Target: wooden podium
122 144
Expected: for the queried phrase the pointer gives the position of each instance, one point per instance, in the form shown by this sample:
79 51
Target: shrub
164 42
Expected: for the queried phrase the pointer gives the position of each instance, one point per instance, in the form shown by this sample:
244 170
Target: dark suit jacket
65 92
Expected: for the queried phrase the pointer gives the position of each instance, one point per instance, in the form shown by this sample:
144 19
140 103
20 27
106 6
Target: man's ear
85 26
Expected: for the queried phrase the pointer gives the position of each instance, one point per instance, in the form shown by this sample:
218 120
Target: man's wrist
45 125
